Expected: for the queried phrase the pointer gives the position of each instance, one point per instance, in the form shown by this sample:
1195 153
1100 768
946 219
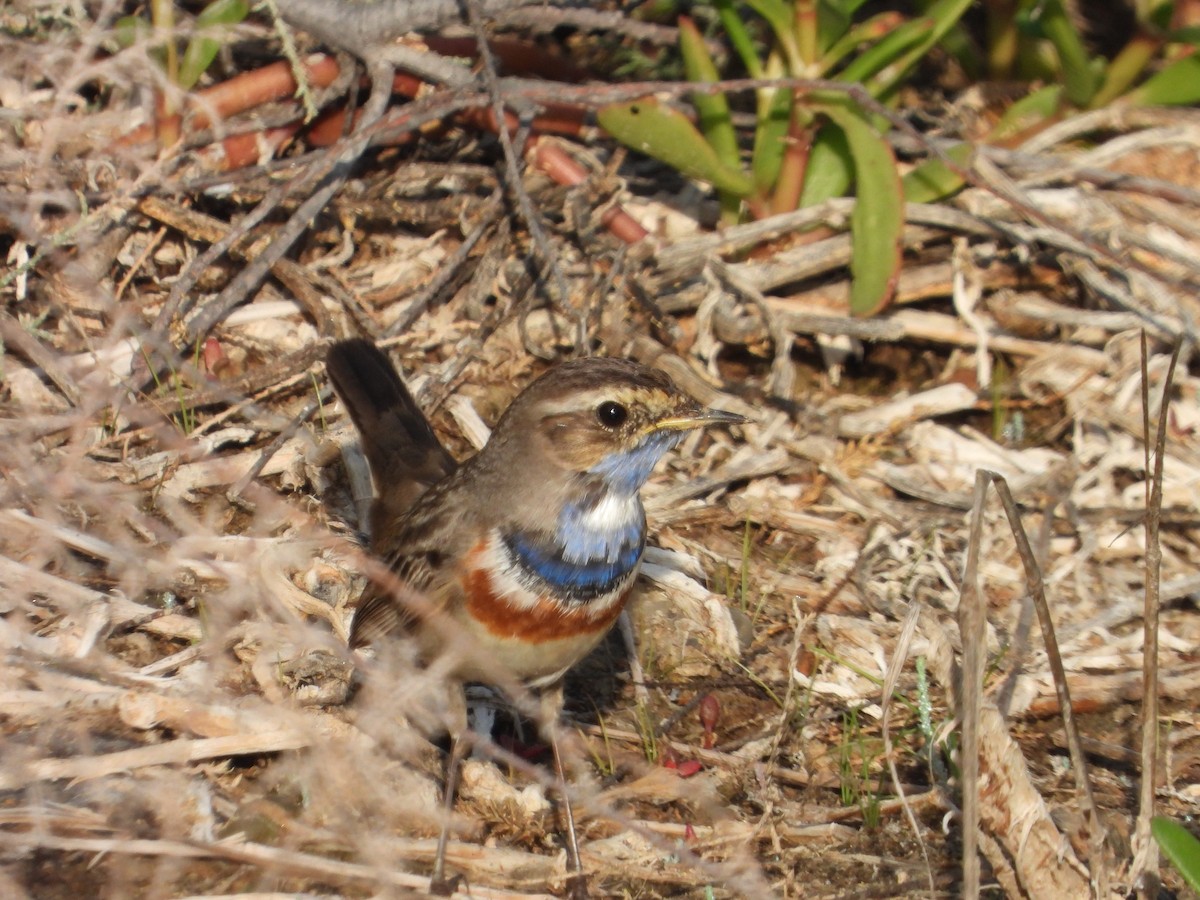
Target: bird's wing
421 550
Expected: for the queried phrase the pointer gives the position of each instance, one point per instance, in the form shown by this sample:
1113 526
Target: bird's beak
685 421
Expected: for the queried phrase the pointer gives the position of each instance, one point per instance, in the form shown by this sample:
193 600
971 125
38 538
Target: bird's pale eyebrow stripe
585 400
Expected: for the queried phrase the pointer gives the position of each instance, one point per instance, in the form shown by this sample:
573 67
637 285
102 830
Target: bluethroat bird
529 548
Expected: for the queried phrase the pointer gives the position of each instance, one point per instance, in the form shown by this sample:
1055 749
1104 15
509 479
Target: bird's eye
611 414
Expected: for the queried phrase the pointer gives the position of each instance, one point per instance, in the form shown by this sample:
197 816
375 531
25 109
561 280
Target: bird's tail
405 456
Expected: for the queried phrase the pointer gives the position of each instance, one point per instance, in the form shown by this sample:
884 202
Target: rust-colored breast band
546 621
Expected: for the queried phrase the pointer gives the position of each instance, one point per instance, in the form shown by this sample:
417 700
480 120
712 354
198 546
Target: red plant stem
243 92
516 57
275 82
556 163
240 150
790 184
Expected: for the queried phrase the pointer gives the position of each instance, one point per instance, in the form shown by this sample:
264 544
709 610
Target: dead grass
179 563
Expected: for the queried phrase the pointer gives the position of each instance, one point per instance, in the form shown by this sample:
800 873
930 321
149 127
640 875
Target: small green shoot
212 26
736 587
744 569
761 685
935 754
856 758
33 324
211 30
647 733
936 762
185 418
604 764
999 385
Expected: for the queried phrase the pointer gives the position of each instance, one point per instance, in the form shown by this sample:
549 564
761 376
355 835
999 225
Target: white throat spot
613 513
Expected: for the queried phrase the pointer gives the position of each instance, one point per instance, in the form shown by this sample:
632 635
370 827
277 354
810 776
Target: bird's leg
460 743
552 704
438 884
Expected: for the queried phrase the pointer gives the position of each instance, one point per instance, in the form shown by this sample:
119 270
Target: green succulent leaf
888 51
944 15
1126 68
770 137
833 21
128 30
777 13
1080 78
844 9
1028 112
739 37
830 170
1180 847
712 109
1156 14
779 16
856 35
202 49
1176 85
666 134
1189 34
877 223
934 180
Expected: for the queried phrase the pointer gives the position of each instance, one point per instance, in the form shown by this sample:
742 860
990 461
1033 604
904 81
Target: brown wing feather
378 616
425 535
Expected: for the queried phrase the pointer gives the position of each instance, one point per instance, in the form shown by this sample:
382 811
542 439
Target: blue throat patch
575 581
585 559
626 472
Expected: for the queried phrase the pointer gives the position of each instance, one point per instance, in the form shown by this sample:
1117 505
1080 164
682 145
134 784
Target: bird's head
610 418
